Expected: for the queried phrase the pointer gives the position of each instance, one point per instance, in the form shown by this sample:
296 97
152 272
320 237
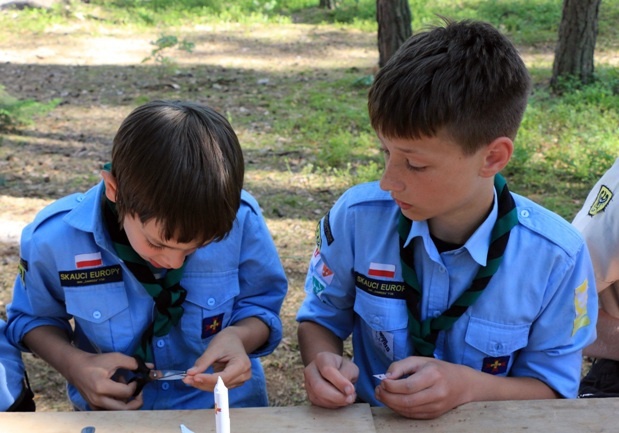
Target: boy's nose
389 181
175 259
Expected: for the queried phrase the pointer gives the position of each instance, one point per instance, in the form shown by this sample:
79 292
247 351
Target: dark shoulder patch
326 226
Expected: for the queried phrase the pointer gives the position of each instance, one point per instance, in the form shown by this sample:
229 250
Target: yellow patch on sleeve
580 305
605 195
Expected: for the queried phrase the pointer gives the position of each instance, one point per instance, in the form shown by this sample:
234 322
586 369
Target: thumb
201 364
404 367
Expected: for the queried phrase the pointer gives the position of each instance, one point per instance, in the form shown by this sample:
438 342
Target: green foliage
608 31
329 121
16 113
530 22
164 43
570 139
525 21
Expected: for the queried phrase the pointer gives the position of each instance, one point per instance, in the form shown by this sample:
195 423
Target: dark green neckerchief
167 293
424 332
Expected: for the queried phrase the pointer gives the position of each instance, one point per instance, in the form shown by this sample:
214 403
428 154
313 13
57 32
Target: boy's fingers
338 380
323 392
404 367
350 371
201 364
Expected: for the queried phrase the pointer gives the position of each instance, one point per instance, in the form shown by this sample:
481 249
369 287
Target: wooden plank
298 419
543 416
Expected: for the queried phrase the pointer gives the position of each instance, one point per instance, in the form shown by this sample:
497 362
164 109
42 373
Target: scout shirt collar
87 216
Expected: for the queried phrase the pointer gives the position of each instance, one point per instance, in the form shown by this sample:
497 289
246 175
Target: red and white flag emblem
381 270
89 260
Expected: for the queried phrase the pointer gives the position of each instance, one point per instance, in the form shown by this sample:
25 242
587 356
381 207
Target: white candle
222 410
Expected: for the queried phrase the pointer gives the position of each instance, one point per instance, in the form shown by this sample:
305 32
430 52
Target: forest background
292 78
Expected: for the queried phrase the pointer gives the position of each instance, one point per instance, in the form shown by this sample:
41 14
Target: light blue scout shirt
226 281
534 317
11 371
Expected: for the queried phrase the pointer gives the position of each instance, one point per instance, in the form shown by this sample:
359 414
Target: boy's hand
92 375
432 387
329 380
226 353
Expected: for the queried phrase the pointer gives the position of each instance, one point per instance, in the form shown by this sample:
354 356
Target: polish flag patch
327 274
89 260
381 270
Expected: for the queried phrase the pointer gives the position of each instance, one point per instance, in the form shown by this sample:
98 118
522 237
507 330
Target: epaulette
250 201
62 205
548 225
366 193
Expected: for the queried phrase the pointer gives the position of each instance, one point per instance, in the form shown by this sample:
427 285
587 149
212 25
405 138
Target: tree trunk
394 27
576 45
327 4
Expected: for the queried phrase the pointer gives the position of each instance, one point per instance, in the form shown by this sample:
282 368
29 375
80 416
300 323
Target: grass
306 132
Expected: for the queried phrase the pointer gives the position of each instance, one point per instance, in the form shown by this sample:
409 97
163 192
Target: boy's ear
110 185
497 155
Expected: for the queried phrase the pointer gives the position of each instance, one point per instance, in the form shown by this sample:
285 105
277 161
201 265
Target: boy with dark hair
453 288
167 263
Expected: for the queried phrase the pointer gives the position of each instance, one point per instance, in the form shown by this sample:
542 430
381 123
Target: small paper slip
380 376
185 429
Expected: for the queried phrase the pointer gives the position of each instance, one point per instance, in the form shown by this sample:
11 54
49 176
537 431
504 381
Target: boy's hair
465 79
181 164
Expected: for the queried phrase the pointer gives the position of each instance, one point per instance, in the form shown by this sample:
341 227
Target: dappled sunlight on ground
280 48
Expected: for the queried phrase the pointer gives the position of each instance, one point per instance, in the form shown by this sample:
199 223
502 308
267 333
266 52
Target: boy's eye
153 246
411 167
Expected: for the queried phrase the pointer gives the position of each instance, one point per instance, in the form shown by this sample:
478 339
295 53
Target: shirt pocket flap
211 290
381 314
496 339
95 304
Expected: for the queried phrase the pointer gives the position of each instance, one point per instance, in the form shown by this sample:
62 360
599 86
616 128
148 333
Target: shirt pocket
102 314
209 304
384 323
493 344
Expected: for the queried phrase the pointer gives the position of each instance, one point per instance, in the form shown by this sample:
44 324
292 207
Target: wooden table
297 419
542 416
531 416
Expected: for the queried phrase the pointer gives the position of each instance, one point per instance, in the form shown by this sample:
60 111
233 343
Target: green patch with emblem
22 268
317 286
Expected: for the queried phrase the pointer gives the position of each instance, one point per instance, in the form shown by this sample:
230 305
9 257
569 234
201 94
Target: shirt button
165 386
160 343
96 314
442 269
376 320
211 302
79 198
524 213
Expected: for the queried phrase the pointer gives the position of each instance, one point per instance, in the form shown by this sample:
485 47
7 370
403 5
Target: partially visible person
453 288
598 221
15 392
167 262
